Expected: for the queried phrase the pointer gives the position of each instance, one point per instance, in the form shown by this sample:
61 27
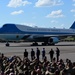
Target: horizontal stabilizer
73 26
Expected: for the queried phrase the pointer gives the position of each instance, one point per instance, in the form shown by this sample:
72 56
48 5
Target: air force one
48 36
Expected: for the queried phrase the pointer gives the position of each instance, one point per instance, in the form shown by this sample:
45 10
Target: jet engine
53 40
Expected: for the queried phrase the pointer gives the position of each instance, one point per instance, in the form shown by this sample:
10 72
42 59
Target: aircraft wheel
7 44
35 44
44 44
51 44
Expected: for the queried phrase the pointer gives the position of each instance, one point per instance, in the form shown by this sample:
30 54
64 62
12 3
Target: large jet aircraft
48 36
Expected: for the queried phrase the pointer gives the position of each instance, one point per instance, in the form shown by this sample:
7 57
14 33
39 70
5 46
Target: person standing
57 53
43 53
38 53
26 54
51 54
32 54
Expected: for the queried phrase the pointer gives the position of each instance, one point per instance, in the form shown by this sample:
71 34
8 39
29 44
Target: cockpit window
4 25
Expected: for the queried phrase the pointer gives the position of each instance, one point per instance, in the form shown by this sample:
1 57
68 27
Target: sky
40 13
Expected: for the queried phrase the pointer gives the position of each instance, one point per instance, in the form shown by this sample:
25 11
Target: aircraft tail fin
73 26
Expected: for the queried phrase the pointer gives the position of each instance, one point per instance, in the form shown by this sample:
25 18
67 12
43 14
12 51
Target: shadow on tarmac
22 45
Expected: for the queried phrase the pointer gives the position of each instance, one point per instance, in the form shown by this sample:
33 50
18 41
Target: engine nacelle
53 40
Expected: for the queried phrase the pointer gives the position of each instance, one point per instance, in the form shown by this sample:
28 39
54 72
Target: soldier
25 54
57 53
43 53
38 53
32 54
51 54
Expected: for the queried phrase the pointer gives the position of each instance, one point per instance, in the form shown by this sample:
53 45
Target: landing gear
47 44
7 44
51 44
44 44
35 44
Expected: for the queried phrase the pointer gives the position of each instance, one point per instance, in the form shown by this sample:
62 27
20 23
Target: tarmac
67 50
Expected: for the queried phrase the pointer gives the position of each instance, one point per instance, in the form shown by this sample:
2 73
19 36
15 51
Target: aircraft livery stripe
14 29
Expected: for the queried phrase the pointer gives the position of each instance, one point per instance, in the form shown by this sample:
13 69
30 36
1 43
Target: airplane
48 36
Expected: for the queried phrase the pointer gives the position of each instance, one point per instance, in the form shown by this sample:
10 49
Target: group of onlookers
38 53
17 66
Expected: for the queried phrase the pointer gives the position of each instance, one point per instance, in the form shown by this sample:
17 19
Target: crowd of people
17 66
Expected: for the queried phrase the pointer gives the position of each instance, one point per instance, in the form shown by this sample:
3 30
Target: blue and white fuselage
18 32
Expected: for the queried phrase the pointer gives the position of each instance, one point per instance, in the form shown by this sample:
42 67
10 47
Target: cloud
73 4
62 25
54 21
74 0
55 14
17 12
74 15
73 10
41 3
29 24
17 3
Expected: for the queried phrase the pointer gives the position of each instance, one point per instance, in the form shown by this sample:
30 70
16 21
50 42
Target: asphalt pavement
67 50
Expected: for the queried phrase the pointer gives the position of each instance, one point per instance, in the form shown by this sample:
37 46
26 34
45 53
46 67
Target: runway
67 50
